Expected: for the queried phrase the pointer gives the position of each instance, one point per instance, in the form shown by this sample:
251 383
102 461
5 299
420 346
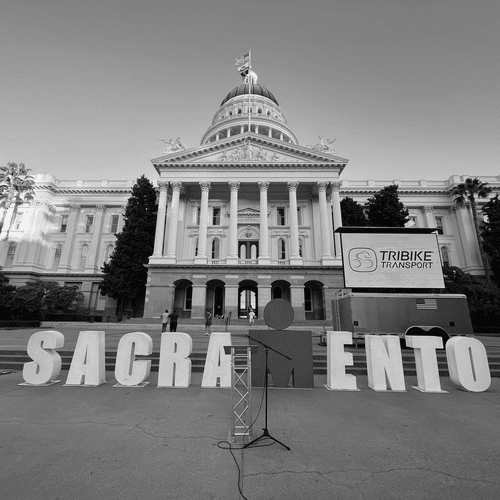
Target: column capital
292 185
205 185
75 208
234 185
100 208
427 208
336 185
322 185
263 185
163 185
176 186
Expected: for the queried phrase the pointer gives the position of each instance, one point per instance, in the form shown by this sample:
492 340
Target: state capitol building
245 217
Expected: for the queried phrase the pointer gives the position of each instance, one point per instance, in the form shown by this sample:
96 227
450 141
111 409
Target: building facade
247 216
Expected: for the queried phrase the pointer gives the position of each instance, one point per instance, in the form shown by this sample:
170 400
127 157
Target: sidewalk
74 443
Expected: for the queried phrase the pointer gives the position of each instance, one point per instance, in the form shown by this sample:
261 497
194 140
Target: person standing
251 317
173 321
208 322
164 321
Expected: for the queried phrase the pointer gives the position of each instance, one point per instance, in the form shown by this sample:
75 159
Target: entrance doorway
247 298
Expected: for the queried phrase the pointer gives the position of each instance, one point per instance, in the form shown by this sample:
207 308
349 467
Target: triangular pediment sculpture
249 149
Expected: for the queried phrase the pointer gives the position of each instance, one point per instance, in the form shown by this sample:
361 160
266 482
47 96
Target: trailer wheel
432 331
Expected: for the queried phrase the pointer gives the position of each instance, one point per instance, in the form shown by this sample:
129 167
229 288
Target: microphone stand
266 434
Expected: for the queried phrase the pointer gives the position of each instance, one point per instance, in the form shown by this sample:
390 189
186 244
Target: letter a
213 369
88 363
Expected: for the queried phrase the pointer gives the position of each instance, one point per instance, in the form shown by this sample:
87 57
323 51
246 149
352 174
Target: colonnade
168 255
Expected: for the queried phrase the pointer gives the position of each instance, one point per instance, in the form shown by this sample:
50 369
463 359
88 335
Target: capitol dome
266 117
256 89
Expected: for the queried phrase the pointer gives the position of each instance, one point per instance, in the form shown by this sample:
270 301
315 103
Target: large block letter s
46 364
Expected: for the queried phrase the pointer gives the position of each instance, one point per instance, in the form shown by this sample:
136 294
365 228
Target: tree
15 185
352 213
125 275
6 293
385 210
490 231
465 196
31 300
483 297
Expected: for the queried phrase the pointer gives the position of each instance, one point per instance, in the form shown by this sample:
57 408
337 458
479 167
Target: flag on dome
243 64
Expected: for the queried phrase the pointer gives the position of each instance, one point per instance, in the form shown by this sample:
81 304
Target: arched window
277 292
259 111
82 261
281 249
57 256
215 249
109 251
9 260
445 256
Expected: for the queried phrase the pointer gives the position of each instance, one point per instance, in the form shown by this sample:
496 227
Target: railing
247 262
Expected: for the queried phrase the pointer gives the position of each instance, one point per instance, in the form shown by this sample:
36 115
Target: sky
409 89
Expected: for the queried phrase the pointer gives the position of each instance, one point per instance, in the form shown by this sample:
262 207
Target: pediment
249 149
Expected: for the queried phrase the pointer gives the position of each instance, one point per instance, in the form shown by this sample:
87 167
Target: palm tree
465 194
15 184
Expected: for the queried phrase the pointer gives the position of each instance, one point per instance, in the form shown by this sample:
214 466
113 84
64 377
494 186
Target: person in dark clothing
173 321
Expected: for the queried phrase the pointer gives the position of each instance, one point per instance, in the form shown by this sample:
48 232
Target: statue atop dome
250 77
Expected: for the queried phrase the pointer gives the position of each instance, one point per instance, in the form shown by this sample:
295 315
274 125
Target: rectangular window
216 216
439 225
299 216
114 223
280 212
18 221
308 299
198 215
89 221
189 298
64 224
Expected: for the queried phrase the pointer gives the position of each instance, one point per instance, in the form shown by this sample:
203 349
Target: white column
201 258
330 220
160 220
172 230
264 257
92 261
295 258
67 251
429 217
326 251
337 216
232 258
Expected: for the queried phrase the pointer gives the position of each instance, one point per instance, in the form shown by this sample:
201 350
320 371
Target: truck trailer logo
362 260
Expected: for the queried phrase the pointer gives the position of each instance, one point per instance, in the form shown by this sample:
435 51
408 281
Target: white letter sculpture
468 364
46 364
426 362
337 360
128 371
384 363
88 364
213 369
175 364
